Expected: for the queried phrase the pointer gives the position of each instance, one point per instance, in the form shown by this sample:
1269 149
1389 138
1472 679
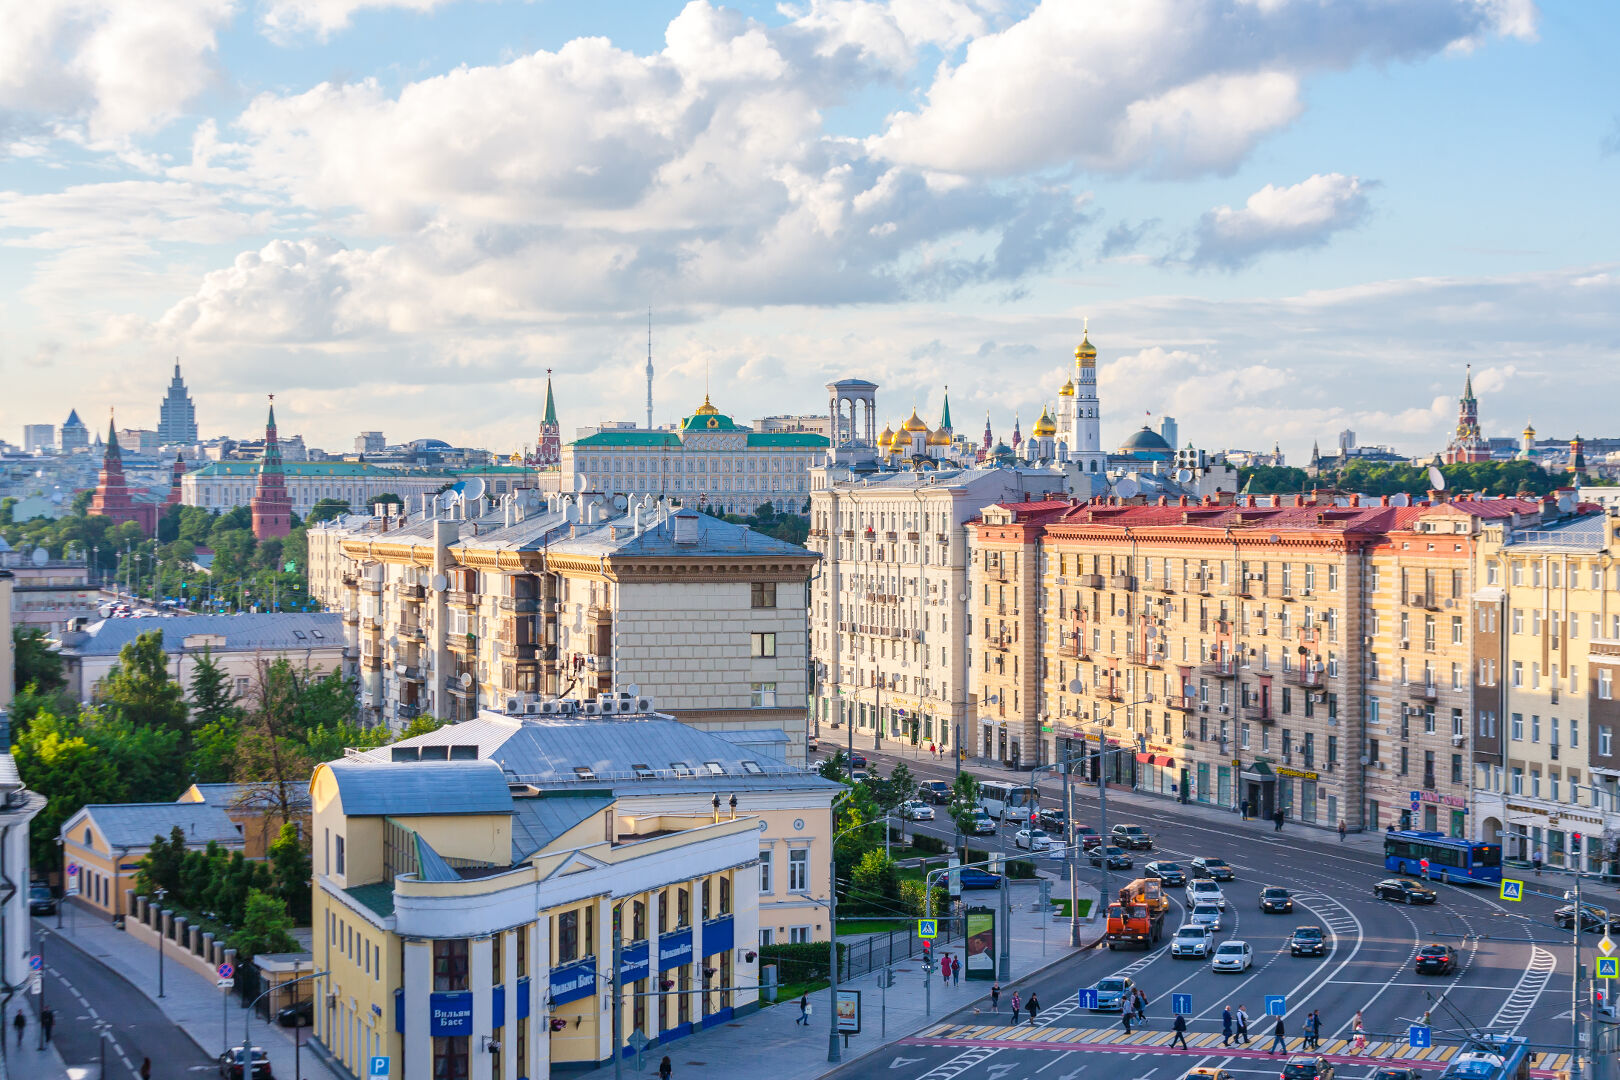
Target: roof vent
464 753
404 753
435 753
686 527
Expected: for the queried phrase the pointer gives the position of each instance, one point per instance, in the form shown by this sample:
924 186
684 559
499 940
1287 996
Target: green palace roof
668 440
353 469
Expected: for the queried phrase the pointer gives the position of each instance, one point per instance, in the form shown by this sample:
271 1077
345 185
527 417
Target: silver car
916 810
1232 956
1205 915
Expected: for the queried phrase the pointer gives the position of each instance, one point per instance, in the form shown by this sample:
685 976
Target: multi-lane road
1513 975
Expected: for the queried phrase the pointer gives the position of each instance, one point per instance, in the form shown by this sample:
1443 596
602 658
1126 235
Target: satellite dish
634 689
440 583
620 503
466 679
40 556
1076 686
1402 499
1183 476
445 500
1437 479
1127 488
473 489
1151 632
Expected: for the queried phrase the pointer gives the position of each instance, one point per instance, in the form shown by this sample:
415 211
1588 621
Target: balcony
1089 581
1421 691
409 673
461 598
351 618
413 632
1200 583
461 642
1123 582
1220 669
349 580
407 710
1000 644
1181 703
913 537
371 585
520 605
413 592
517 650
1111 694
1072 651
1258 714
1309 678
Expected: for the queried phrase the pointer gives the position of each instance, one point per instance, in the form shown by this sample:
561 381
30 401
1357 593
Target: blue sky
1282 217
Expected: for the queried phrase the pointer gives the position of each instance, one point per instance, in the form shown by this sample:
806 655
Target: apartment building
490 602
1546 624
889 605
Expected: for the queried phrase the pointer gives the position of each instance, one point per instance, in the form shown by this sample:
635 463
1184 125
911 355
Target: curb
121 977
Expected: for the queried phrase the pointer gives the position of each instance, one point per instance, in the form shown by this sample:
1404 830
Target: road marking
902 1062
1516 1009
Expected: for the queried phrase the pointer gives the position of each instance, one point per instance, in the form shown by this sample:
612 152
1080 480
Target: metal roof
1589 533
430 865
715 538
538 820
283 631
378 787
133 825
249 796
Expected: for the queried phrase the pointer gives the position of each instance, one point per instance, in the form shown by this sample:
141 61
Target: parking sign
1181 1004
1418 1037
1276 1005
1512 890
377 1067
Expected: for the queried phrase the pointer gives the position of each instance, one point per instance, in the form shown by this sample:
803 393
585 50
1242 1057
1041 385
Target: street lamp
61 862
833 1054
161 893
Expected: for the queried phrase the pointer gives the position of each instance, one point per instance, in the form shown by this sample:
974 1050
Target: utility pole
1575 979
618 999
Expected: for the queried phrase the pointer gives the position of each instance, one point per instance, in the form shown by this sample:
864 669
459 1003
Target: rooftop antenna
649 369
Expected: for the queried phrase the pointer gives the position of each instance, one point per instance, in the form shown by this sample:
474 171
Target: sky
1280 218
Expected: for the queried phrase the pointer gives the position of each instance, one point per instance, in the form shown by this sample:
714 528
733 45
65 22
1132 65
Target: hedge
930 845
798 963
1013 868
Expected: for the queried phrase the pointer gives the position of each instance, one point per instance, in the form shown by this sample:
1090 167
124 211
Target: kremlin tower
271 505
112 498
548 449
1085 438
177 472
1467 444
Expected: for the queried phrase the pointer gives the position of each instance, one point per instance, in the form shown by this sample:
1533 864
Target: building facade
73 435
38 438
225 485
177 415
50 593
107 841
711 463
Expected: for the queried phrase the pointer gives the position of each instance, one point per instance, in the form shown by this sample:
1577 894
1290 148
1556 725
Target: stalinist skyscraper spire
649 369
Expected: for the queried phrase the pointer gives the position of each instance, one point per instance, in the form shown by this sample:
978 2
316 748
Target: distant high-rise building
1170 431
38 437
112 498
370 442
271 505
1347 442
177 416
74 435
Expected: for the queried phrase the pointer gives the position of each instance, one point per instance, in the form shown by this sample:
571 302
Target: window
762 695
450 1057
798 935
450 964
762 594
799 870
1535 728
568 937
1456 768
1518 673
1516 731
1605 741
763 645
1606 684
1456 630
765 870
339 854
767 936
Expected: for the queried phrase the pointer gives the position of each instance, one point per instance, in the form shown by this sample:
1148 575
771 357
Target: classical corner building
113 498
271 505
492 601
177 416
517 894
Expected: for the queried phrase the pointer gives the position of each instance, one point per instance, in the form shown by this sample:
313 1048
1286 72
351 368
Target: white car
1192 940
1204 891
1031 840
1205 915
1232 956
916 810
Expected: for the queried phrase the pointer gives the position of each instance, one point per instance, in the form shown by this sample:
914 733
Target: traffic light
928 956
1575 843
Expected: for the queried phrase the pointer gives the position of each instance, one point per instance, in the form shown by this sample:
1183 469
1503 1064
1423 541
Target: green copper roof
551 406
630 438
708 422
945 417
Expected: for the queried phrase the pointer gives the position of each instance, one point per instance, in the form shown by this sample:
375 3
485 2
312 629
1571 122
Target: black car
1211 867
1307 941
40 900
300 1015
937 792
1405 890
1133 837
1168 872
1436 960
1591 919
1117 858
857 760
1307 1067
1274 899
1388 1073
1053 820
230 1064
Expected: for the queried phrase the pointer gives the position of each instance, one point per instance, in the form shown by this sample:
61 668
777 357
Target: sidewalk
28 1062
190 1000
770 1044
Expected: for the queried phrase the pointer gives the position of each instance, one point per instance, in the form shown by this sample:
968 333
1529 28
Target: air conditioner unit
606 706
1457 740
514 705
550 708
644 705
590 708
1225 709
531 708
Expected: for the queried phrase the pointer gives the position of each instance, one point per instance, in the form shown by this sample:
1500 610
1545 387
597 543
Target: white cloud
113 67
286 20
1280 219
1167 87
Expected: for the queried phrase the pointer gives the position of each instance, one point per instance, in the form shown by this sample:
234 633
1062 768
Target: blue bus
1492 1057
1450 858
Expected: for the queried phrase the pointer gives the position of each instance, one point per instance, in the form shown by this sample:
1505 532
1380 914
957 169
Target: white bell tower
1085 444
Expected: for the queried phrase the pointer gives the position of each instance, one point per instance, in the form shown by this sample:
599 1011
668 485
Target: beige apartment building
494 605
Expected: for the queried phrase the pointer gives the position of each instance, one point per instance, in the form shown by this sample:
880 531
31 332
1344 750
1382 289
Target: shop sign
450 1012
1283 770
1456 802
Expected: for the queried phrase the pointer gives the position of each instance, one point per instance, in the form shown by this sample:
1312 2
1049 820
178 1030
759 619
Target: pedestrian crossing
1201 1043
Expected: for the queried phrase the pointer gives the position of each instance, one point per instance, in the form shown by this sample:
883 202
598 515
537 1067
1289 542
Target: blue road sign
1608 967
1276 1005
1418 1037
927 928
36 962
377 1067
1088 999
1512 890
1181 1004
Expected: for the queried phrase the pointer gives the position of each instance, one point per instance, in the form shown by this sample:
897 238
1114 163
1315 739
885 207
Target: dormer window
583 772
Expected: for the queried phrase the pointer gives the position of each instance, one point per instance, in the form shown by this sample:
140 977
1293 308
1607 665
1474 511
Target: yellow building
469 882
103 843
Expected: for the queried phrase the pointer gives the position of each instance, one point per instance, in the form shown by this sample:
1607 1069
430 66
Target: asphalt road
91 1002
1514 973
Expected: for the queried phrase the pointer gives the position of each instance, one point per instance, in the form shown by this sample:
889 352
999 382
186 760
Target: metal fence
879 950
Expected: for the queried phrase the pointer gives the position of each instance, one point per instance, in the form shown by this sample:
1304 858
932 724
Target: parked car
812 744
1210 867
916 810
1088 837
1205 891
1405 890
859 775
1117 858
1307 941
1167 872
1395 1073
1274 899
1053 819
1307 1067
1133 837
230 1064
1207 1072
1233 955
1111 992
40 900
1192 940
1591 918
1205 915
1031 840
972 877
937 792
857 759
1436 960
982 824
295 1016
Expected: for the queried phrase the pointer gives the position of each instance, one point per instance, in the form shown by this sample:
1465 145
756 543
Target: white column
480 973
745 939
417 1039
539 990
509 1021
604 981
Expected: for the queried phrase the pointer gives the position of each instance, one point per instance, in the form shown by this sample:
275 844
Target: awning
1164 759
1144 759
1259 771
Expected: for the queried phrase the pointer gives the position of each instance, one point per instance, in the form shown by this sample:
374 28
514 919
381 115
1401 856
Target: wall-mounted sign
450 1012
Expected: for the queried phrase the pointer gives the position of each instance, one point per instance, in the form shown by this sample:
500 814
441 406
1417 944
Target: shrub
798 963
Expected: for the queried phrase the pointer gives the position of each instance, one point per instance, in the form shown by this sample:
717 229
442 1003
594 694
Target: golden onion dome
706 409
942 437
1068 389
1045 427
887 438
1085 351
914 423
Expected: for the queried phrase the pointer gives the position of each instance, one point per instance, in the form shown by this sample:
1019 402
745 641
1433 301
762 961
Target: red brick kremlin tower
112 498
548 450
271 505
1467 443
177 471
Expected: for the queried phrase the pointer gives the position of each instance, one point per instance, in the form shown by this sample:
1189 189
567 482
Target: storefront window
450 966
450 1058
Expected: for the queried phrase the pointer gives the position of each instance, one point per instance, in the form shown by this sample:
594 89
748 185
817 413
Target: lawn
1061 907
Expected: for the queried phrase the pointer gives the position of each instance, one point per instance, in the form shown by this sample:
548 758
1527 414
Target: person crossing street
1181 1032
1279 1040
1226 1026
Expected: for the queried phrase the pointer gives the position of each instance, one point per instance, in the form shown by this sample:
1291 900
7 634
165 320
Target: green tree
271 754
163 867
54 759
899 787
35 663
875 883
211 696
149 761
835 767
327 742
138 687
964 801
265 927
1273 480
385 497
211 753
326 510
419 725
293 870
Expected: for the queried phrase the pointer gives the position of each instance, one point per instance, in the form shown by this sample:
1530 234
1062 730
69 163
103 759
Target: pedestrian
20 1023
995 997
1343 828
1141 1006
1016 1006
1243 807
1243 1025
1181 1032
146 1069
1358 1036
1034 1007
1316 1030
804 1011
1277 816
1535 860
1226 1026
945 969
664 1068
47 1020
1125 1018
1279 1039
956 972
